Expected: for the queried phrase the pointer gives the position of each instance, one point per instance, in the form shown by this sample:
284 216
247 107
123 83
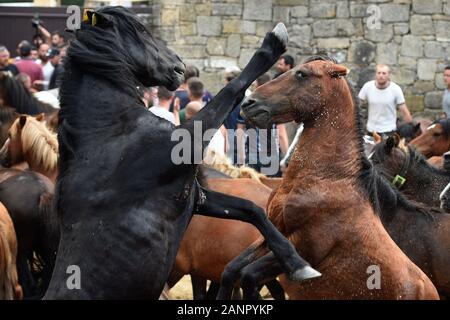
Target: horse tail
9 280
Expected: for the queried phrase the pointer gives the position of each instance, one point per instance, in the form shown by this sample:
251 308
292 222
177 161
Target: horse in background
411 130
28 196
112 205
31 141
327 203
435 140
209 244
13 94
9 284
409 171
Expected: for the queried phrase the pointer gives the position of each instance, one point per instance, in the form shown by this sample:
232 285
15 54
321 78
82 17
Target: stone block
209 25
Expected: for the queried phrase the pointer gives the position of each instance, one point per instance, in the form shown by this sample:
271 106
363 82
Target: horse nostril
247 103
179 69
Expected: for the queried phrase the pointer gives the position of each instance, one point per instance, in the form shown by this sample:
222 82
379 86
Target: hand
176 105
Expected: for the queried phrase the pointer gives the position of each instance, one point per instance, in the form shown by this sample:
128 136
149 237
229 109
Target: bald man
384 97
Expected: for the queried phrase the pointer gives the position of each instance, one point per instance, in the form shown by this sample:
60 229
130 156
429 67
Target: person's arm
46 34
404 111
240 143
283 138
176 111
224 132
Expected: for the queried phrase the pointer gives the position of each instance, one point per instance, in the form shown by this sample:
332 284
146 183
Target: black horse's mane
7 114
383 198
18 97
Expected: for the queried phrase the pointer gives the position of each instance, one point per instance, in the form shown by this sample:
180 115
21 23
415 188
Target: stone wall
413 38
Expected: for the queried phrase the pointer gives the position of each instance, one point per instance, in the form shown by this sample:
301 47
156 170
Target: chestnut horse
327 204
9 282
31 141
434 141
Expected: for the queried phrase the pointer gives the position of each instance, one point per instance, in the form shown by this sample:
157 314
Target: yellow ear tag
94 19
85 15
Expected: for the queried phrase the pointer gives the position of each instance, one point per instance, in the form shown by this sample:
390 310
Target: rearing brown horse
327 203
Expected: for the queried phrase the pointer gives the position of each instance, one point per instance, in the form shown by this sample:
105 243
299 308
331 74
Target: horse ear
397 139
40 117
417 127
390 144
338 70
22 121
376 137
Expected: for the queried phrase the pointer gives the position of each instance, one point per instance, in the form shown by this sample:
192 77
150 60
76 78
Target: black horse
123 204
28 196
408 170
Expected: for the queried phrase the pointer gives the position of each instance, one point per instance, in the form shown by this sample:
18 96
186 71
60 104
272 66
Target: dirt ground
183 290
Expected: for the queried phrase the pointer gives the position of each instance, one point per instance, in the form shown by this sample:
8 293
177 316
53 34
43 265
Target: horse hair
18 97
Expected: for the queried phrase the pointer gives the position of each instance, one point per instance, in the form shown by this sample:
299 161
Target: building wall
414 37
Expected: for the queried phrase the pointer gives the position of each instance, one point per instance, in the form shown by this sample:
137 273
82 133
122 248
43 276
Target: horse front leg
223 206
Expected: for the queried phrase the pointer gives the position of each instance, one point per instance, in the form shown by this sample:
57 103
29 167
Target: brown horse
31 141
327 203
434 141
9 282
209 244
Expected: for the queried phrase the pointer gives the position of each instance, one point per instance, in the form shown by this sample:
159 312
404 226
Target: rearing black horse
123 204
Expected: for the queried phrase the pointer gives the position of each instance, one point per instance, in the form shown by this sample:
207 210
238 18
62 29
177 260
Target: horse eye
300 75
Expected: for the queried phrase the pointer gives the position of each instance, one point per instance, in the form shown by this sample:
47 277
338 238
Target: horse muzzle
256 113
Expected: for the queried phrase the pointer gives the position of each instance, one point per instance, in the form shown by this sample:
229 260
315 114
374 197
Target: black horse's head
113 43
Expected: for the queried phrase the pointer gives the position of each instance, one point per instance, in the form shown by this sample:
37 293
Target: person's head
447 75
57 38
4 56
285 63
195 89
37 40
42 52
164 94
54 56
192 108
382 74
34 53
191 72
24 49
231 73
63 50
25 80
262 79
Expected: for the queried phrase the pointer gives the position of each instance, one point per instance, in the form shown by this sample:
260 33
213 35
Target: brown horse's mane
39 141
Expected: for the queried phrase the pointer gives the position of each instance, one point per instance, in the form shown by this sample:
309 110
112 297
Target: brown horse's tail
9 281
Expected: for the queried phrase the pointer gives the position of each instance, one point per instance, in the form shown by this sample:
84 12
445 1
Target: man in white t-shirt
162 109
384 97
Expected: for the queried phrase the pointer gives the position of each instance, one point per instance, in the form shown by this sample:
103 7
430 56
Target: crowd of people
38 64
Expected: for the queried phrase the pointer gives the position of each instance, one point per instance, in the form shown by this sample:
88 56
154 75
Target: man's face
4 56
282 67
382 75
55 60
56 39
447 77
34 54
43 52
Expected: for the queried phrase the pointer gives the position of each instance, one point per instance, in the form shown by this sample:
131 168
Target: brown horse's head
435 140
12 151
301 94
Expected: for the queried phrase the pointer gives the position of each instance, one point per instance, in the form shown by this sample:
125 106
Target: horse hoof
281 33
305 273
